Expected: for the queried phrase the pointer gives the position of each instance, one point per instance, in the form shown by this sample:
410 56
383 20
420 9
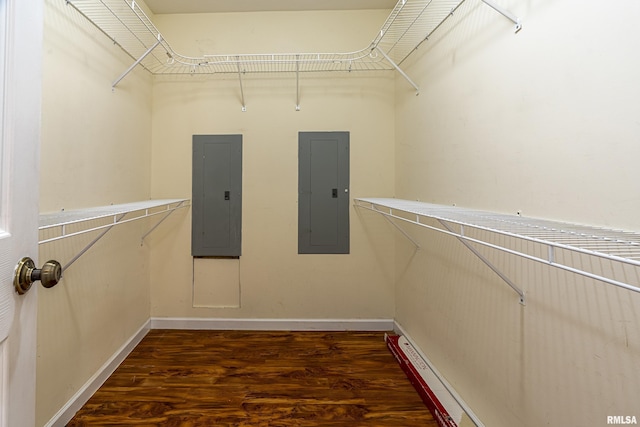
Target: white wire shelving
410 23
554 242
64 224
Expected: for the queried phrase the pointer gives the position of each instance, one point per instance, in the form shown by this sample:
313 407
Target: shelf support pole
510 16
93 242
244 106
297 82
398 69
135 64
486 261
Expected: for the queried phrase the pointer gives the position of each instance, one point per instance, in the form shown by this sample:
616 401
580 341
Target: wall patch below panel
216 282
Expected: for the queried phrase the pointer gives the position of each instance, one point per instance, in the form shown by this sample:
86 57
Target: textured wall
544 122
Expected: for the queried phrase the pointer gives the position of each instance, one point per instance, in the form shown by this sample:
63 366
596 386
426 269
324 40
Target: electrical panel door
323 193
217 195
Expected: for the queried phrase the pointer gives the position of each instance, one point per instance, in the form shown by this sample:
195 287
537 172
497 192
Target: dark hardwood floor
276 379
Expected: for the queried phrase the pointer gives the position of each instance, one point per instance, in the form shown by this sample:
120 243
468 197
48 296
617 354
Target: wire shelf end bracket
398 69
502 11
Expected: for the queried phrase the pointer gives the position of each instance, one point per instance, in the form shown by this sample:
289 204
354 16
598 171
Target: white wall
544 122
96 146
272 280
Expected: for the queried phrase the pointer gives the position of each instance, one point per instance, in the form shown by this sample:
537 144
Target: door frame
23 26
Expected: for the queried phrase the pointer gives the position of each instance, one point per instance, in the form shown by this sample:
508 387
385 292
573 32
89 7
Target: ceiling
209 6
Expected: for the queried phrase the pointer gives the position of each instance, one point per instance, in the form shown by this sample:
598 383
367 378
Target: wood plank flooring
275 379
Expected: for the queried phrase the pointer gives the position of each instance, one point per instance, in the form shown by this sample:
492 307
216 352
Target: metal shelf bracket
169 212
297 82
398 69
459 236
510 16
244 105
138 61
402 231
485 260
116 220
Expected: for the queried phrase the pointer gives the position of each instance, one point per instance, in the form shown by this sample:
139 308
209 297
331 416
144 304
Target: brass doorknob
26 273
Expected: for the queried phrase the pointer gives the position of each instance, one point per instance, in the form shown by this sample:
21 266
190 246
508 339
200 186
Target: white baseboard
442 388
273 324
66 413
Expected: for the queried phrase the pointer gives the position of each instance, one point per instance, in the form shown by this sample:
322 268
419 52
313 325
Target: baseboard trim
273 324
66 413
441 390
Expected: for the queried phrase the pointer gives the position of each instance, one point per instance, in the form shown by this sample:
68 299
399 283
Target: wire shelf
83 220
61 225
410 23
614 245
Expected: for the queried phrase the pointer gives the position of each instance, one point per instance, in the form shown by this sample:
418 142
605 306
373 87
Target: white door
21 27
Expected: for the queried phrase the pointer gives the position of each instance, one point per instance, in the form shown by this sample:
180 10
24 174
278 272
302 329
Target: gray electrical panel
323 193
216 196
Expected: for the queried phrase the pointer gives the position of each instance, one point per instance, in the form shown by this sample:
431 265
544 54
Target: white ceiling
208 6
